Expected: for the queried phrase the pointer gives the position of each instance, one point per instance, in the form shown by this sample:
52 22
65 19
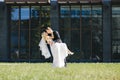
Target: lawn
73 71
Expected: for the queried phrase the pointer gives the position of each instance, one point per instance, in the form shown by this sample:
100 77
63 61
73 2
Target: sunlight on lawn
73 71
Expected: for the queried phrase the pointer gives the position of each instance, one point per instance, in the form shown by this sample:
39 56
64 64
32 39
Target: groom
55 37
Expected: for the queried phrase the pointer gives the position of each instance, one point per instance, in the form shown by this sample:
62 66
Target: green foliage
74 71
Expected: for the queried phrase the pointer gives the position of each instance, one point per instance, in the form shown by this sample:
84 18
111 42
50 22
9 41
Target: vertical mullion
70 24
40 22
9 29
81 28
29 32
91 29
19 41
40 16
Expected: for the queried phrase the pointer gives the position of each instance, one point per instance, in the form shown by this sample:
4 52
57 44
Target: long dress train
59 52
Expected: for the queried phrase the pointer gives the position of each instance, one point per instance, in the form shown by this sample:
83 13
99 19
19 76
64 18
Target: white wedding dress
59 52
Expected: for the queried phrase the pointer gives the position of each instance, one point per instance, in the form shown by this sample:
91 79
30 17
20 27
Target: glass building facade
25 22
81 26
81 29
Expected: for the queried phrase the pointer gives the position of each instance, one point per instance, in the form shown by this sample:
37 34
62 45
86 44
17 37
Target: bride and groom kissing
52 46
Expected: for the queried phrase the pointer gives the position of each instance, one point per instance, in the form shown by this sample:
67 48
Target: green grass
73 71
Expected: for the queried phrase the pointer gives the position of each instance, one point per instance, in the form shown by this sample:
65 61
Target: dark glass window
97 40
35 32
25 31
81 29
14 40
65 24
86 16
115 32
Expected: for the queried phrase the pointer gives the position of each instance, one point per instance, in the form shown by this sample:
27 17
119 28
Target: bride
58 49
